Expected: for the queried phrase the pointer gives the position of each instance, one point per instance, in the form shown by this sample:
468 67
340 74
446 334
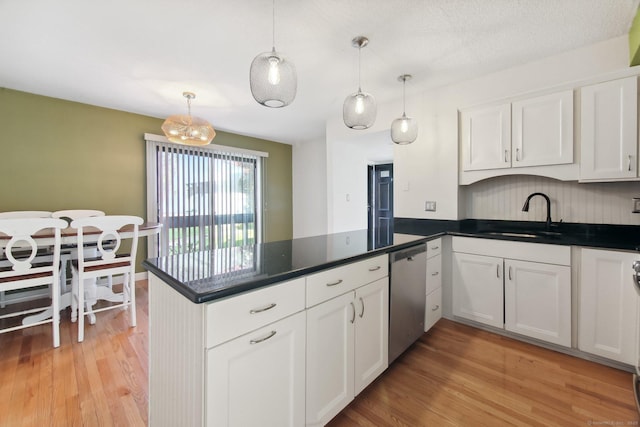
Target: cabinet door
542 130
537 300
486 138
607 314
371 332
609 130
258 378
478 292
330 358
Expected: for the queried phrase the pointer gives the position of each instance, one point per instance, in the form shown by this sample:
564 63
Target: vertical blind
205 197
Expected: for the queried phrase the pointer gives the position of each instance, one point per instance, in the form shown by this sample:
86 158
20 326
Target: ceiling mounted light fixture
272 78
359 109
187 129
404 130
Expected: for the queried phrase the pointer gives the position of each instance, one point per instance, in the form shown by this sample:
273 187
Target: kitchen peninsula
233 331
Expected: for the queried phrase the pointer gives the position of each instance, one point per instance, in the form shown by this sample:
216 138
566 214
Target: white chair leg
55 317
74 296
80 310
131 279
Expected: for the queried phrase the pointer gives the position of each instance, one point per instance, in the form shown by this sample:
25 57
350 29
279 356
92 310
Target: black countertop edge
607 236
199 298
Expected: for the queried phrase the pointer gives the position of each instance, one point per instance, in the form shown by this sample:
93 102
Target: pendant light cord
359 67
273 24
404 99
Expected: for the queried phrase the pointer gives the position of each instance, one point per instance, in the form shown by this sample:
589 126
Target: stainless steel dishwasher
407 296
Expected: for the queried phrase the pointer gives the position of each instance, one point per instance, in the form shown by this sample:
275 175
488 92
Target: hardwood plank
459 375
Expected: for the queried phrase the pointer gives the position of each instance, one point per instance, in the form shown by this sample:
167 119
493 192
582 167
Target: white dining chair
23 270
86 270
70 252
21 214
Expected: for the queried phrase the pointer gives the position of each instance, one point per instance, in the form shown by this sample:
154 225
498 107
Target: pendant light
359 109
404 130
187 129
272 78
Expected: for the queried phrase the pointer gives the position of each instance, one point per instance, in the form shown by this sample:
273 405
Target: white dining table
68 240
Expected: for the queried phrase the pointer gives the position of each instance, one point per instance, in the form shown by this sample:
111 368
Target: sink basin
525 234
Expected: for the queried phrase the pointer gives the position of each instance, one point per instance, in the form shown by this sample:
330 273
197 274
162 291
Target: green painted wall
57 154
634 41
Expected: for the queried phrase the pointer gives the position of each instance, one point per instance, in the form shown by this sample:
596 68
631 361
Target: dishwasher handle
408 254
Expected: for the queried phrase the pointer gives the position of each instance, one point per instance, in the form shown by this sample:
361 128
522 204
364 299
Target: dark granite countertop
210 275
206 276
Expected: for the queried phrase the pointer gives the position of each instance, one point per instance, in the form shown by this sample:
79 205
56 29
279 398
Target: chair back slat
110 238
25 214
21 248
74 214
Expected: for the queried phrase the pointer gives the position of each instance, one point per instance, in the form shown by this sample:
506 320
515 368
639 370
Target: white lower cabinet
433 306
522 287
478 291
608 310
347 348
537 301
259 378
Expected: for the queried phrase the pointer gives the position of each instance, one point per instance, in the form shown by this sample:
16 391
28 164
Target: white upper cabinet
529 132
542 130
608 124
486 138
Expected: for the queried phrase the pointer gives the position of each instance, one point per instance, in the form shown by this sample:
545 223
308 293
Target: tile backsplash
596 203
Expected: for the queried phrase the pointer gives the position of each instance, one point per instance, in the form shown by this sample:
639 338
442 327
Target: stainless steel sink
525 234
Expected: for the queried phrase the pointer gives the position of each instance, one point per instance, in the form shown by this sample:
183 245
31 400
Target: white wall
309 189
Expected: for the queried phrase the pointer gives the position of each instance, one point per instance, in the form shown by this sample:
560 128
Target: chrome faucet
525 208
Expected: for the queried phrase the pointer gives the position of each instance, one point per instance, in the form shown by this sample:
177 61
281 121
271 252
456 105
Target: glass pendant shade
273 80
359 110
187 129
404 130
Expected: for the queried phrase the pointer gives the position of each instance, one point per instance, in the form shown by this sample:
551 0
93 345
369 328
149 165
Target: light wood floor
454 375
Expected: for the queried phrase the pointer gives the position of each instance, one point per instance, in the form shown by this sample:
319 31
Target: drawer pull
259 340
362 312
353 306
335 283
261 309
435 308
435 247
435 273
376 268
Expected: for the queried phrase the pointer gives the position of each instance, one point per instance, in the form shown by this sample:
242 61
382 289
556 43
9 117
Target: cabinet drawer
434 273
433 309
237 315
434 247
330 283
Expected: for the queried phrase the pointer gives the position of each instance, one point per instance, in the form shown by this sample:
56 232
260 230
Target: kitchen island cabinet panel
264 377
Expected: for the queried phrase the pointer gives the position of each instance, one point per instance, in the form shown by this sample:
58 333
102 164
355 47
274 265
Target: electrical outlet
430 206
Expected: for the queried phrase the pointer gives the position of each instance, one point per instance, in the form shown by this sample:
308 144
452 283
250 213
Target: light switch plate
430 206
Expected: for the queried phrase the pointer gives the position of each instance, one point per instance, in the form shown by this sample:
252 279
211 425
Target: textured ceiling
140 55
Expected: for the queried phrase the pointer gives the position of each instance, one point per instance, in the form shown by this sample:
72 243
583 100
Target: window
205 197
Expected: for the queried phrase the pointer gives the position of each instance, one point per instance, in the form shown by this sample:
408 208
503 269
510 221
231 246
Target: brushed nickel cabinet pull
261 309
498 271
435 247
509 272
376 268
335 283
353 306
435 273
517 154
629 163
362 312
259 340
506 156
435 307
